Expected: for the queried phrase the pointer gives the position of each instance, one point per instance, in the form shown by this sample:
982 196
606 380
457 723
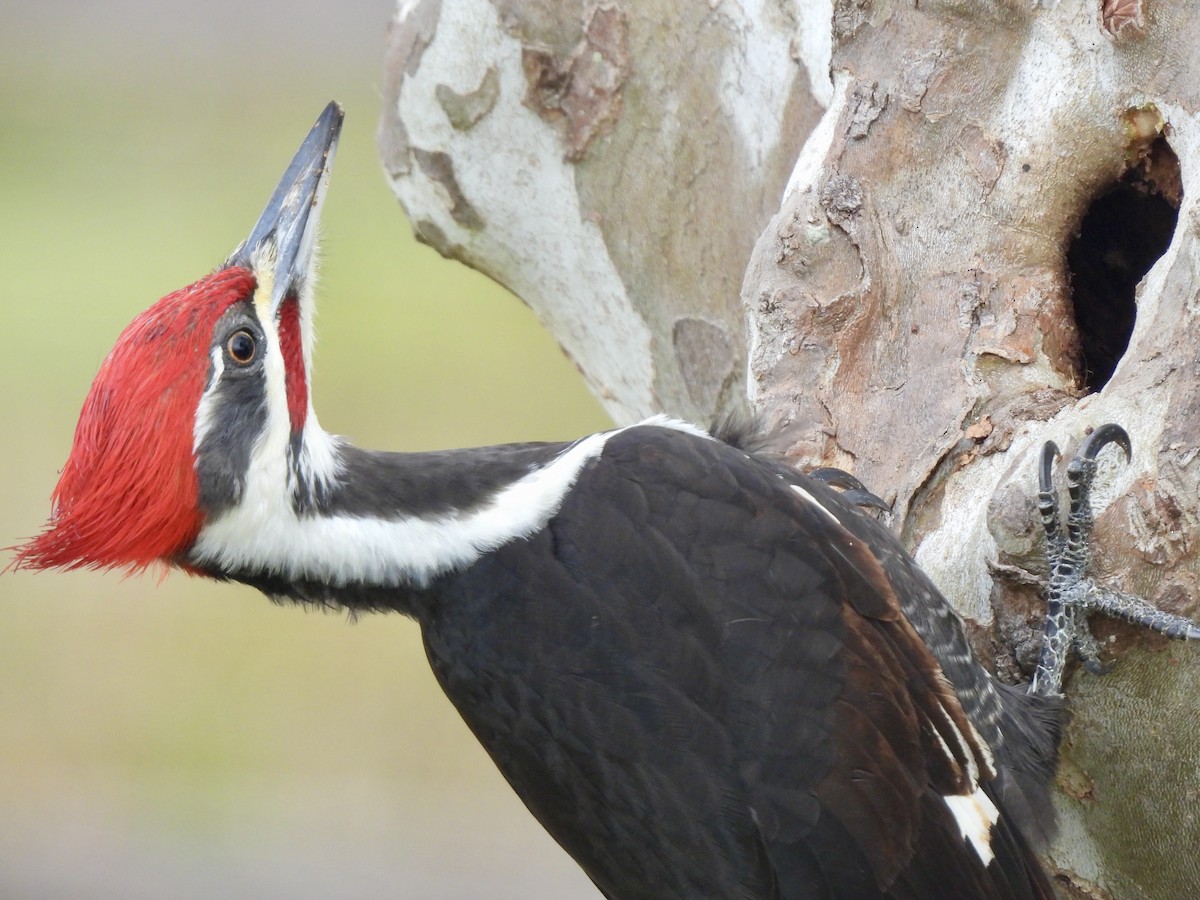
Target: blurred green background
177 738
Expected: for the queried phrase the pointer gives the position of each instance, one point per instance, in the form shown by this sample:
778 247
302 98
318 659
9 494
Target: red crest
127 496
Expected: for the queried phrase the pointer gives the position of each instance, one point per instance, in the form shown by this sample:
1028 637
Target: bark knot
842 198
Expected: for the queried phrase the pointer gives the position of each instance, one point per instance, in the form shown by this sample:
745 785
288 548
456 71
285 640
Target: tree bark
906 235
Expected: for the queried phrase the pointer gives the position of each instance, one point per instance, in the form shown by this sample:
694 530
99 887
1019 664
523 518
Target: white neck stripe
264 533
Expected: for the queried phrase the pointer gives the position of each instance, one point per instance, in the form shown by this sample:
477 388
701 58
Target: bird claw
1087 648
853 490
1101 438
866 498
1071 594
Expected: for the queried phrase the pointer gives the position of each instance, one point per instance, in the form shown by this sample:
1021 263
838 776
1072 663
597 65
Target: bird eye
242 347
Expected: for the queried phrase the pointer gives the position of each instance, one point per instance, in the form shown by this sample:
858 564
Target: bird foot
1071 594
853 490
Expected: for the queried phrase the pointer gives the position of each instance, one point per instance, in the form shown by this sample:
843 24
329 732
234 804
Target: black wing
704 685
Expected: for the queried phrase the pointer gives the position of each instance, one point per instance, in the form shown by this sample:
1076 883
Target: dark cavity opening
1125 230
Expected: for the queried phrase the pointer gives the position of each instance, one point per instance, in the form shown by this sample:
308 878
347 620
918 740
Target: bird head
203 392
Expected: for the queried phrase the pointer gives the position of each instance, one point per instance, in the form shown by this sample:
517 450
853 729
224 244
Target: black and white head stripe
265 532
232 413
242 439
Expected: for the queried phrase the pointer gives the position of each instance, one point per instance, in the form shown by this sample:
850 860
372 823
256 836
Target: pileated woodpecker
707 674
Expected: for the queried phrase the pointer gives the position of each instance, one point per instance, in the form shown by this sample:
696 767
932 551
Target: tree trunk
919 250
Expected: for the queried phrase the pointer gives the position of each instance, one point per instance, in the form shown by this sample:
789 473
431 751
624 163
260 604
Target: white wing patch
975 814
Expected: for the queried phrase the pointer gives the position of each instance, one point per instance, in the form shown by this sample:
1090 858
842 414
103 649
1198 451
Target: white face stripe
264 533
206 410
270 451
318 459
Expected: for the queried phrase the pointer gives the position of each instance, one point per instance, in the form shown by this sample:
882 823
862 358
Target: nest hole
1122 234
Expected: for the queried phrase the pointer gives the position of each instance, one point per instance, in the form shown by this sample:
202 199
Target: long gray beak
287 229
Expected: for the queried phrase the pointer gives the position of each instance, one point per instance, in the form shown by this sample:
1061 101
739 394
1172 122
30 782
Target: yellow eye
242 347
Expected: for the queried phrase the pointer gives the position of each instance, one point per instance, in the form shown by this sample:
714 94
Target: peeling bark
859 219
620 201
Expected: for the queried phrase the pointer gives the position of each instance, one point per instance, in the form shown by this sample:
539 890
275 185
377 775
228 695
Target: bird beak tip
285 235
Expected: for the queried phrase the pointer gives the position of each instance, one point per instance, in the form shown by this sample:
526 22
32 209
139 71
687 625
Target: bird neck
365 529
